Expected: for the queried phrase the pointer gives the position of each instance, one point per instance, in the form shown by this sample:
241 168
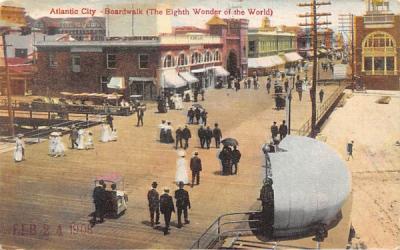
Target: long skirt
18 154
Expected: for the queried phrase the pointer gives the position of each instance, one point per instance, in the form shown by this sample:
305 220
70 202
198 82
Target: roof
80 21
311 183
215 20
270 33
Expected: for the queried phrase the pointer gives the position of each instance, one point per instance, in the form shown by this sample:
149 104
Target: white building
129 20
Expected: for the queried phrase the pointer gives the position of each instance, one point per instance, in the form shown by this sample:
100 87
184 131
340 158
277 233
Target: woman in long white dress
19 149
81 139
105 132
178 102
52 144
89 141
59 146
181 169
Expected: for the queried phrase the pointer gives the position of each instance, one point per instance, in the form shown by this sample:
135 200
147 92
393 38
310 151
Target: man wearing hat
186 134
73 136
99 199
274 130
140 115
195 166
182 203
154 203
217 134
166 208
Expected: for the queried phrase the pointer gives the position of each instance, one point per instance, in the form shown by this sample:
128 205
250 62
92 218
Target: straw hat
54 134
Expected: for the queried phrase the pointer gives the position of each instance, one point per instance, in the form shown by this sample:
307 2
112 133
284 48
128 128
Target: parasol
197 106
230 142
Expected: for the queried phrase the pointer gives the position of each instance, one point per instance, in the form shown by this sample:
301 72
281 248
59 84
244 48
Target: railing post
218 228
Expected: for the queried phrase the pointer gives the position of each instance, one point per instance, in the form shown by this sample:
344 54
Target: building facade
147 67
271 50
234 35
377 38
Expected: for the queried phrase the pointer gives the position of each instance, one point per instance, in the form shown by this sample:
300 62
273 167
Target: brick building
145 65
377 38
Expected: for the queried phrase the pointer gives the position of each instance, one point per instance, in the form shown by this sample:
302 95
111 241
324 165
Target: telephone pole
314 24
346 28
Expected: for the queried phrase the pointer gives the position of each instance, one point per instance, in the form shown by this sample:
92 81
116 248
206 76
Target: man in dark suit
195 166
178 137
99 200
204 114
283 130
73 136
190 115
236 155
140 114
197 114
186 135
208 135
274 130
154 203
166 208
202 135
217 134
182 204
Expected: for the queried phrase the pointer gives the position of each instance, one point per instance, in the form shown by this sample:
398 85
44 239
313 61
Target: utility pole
8 86
314 25
346 26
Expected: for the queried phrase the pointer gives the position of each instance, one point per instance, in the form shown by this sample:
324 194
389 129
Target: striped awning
292 57
171 79
116 83
187 76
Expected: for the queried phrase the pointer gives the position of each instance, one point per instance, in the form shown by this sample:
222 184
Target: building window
22 53
111 61
182 60
368 63
143 61
76 63
52 60
217 56
390 63
379 54
168 61
196 58
207 57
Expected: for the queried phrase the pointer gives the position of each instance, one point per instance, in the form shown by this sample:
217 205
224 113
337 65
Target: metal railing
38 134
305 129
222 228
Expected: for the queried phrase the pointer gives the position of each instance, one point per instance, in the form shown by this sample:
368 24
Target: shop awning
198 70
140 79
292 57
187 76
116 83
277 60
220 71
172 79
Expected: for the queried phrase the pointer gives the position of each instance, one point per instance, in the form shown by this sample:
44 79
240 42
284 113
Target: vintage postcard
229 124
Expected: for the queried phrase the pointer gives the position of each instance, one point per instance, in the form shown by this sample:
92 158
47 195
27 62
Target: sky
284 11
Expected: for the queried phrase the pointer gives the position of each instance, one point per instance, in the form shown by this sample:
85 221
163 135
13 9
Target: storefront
144 86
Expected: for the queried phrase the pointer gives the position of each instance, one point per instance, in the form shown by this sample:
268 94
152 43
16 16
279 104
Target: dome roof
311 183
